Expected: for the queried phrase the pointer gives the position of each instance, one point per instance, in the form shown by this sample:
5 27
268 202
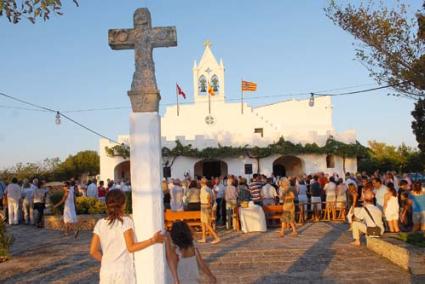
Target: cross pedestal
148 213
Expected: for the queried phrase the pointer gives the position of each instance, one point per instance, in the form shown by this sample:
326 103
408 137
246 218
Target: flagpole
178 106
209 103
241 96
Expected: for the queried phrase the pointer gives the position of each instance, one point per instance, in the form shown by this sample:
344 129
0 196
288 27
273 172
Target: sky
287 47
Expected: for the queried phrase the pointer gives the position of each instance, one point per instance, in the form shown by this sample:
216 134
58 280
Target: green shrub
89 205
55 197
83 205
416 239
6 241
97 207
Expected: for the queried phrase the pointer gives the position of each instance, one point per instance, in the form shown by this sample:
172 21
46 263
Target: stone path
320 254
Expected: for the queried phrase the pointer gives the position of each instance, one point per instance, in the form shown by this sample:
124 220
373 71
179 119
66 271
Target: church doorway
210 168
288 166
279 170
122 171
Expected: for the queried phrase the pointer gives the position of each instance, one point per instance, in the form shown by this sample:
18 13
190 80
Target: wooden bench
273 213
192 218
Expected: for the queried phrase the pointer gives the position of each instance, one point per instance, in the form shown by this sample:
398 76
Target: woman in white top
69 213
184 259
177 194
391 208
330 190
302 199
341 198
27 204
113 242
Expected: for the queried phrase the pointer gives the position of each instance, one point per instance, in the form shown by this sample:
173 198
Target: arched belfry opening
202 85
208 73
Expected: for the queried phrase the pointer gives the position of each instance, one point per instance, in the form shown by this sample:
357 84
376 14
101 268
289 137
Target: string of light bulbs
316 94
58 116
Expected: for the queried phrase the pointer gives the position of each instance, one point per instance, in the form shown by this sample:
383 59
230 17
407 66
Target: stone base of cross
148 212
144 101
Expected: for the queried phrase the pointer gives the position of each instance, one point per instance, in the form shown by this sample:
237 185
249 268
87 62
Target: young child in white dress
184 259
69 212
113 242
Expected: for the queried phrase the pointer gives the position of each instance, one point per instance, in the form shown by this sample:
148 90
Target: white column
145 143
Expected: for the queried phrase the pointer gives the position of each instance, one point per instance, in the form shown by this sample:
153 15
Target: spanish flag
248 86
210 90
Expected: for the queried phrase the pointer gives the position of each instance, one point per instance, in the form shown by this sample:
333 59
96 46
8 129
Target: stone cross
145 141
144 93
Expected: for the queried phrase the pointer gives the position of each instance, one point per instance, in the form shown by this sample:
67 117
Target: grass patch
416 239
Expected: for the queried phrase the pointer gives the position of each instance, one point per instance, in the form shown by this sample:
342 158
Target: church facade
234 124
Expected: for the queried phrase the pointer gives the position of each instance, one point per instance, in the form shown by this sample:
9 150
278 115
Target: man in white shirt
380 190
125 186
268 193
366 220
231 197
13 192
221 203
92 189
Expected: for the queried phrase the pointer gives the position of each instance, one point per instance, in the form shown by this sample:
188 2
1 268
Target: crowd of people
398 202
24 202
371 204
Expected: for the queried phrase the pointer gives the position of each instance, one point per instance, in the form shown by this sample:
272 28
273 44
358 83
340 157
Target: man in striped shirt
255 189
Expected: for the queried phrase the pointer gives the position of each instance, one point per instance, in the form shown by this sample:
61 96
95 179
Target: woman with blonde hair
206 212
288 214
283 184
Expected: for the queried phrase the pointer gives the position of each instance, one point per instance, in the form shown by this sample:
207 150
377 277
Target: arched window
330 161
214 83
202 84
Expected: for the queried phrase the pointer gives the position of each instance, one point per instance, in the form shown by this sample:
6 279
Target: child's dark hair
181 235
115 200
392 189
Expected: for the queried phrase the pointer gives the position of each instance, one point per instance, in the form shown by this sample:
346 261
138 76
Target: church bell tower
208 74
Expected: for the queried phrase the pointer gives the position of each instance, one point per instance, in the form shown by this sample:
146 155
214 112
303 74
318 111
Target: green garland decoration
281 147
120 150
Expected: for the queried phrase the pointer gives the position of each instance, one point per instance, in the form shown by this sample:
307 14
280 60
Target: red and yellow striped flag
248 86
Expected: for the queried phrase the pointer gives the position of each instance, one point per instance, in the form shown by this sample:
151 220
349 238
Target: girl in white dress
69 213
113 242
391 208
184 259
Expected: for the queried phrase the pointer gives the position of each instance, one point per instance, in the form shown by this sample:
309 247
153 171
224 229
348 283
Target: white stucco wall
108 164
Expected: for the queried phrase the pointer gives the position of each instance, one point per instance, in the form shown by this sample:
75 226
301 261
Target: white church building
224 123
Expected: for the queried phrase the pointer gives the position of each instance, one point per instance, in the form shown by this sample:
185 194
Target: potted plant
6 241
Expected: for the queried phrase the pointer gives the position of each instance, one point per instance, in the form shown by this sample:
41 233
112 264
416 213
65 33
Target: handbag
372 231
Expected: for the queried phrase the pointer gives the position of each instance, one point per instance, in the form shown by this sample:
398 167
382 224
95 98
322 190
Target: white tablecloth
252 219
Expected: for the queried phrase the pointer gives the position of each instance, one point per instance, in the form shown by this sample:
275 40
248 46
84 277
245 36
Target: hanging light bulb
58 118
311 101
